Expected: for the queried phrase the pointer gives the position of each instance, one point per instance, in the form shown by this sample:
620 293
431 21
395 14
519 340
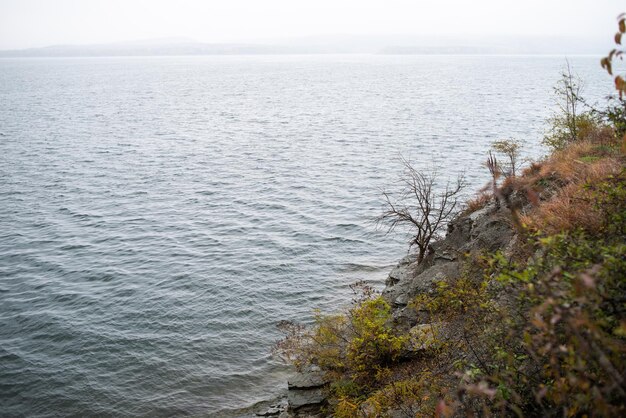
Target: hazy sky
32 23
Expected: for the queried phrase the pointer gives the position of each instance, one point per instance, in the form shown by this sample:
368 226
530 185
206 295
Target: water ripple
159 216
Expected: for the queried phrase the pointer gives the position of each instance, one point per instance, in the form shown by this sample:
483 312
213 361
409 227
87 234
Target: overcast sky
35 23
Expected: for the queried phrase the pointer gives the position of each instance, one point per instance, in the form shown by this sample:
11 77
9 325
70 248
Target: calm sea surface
159 216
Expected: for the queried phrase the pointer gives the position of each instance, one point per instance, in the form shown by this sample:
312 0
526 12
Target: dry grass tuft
566 164
477 202
532 170
572 205
563 212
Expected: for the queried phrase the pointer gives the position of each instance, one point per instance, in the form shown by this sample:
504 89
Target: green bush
565 347
373 344
564 129
357 346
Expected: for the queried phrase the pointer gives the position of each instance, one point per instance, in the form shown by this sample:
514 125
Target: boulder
403 318
410 285
306 393
310 399
310 379
271 408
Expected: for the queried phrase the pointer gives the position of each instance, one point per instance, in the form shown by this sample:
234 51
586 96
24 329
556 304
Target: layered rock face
488 229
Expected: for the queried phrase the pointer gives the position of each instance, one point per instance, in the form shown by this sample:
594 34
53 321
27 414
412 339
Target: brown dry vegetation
563 181
477 202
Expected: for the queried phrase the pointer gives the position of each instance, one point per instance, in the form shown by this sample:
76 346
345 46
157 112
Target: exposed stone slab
299 398
307 380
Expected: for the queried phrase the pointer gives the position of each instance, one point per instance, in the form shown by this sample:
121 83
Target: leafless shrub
421 206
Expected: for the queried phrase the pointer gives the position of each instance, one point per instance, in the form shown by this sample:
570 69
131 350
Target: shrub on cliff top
510 149
565 124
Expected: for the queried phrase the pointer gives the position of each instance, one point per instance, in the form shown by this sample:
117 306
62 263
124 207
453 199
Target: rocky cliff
486 230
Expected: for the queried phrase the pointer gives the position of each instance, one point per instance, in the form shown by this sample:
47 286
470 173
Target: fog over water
160 216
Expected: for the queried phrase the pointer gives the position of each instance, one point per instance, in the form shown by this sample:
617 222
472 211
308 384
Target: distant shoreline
318 46
547 55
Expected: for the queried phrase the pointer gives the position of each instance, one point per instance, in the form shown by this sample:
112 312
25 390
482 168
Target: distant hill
451 50
329 44
146 49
